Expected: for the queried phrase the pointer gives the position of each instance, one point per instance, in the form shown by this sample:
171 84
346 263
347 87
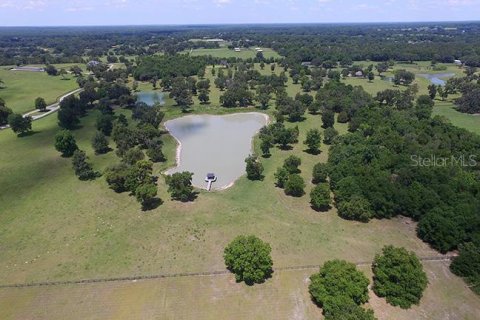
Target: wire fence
185 274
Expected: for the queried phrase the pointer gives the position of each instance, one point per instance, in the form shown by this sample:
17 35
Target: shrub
133 155
116 176
357 208
329 135
292 163
467 265
65 143
19 124
248 257
399 277
342 117
100 143
254 168
83 169
180 186
294 186
105 123
320 173
313 141
146 194
281 177
320 197
337 280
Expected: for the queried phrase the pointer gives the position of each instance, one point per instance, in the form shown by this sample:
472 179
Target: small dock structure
209 179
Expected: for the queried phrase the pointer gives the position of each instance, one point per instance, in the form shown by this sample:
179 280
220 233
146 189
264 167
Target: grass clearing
224 52
55 227
23 87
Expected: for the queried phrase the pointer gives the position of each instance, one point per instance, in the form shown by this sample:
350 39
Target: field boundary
187 274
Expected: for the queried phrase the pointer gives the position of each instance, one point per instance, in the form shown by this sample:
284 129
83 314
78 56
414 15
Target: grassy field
23 87
55 227
245 53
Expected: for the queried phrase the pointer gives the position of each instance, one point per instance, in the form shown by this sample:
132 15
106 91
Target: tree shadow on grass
322 208
27 134
152 204
314 152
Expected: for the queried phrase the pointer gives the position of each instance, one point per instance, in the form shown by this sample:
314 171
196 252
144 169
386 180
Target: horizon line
241 24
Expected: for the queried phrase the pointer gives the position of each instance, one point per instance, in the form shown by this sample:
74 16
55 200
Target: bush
357 208
281 177
338 280
328 118
105 123
294 186
320 173
100 143
343 308
116 176
146 194
440 228
65 143
138 174
248 257
82 168
342 117
399 276
154 151
180 186
467 265
254 168
19 124
133 155
313 141
292 163
320 197
329 135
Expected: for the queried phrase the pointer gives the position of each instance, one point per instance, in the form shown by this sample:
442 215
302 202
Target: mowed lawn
23 87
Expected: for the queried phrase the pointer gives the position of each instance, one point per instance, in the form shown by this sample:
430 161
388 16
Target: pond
437 78
151 97
215 144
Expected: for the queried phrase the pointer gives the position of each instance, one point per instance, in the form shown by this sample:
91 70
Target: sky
167 12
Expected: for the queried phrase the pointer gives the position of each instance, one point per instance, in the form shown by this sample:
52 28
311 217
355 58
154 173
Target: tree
265 145
338 283
370 76
328 118
329 135
105 123
145 194
138 174
63 73
357 208
281 177
469 102
249 258
100 143
83 169
65 143
320 173
19 124
254 168
180 186
399 277
116 177
40 104
295 185
320 197
263 98
381 67
313 141
292 163
467 265
203 96
154 151
51 70
133 155
76 70
432 91
342 308
403 77
4 113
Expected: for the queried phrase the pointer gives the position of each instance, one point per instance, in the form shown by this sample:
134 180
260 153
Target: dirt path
51 108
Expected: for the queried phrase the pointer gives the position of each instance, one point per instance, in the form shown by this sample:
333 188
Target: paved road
51 108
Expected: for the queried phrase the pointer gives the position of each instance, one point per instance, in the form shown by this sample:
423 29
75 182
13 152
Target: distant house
306 64
359 74
31 69
457 62
259 49
93 63
237 49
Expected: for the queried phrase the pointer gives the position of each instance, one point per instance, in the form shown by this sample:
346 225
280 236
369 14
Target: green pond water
215 144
